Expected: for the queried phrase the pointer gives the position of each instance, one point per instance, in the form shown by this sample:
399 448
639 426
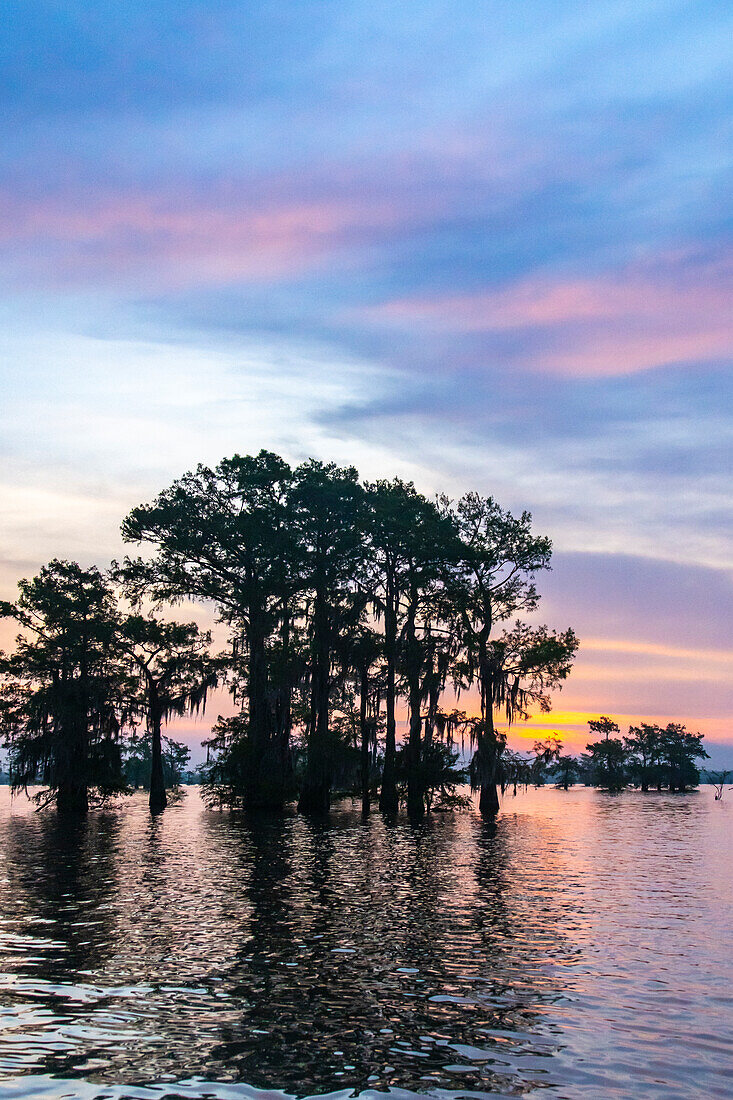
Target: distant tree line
649 757
342 601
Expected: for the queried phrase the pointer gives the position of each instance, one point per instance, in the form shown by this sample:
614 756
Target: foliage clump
342 601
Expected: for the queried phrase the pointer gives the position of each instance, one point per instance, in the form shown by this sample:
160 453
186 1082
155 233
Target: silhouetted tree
294 561
63 699
604 726
225 778
499 557
361 655
679 751
567 770
430 549
175 671
520 669
398 519
441 642
441 776
137 760
328 520
719 780
546 753
516 770
644 748
225 535
608 758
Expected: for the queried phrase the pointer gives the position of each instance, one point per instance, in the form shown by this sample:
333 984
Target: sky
481 245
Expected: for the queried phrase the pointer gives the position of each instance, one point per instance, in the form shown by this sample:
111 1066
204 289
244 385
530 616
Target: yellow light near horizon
572 725
654 649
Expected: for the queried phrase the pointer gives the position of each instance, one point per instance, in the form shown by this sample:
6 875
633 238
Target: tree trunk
487 747
284 709
388 801
158 799
315 797
488 769
415 795
72 764
364 731
433 700
488 803
265 780
72 798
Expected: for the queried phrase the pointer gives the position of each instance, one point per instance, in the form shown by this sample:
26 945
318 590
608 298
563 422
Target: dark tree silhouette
137 760
518 671
603 725
608 758
516 770
440 776
546 753
643 746
293 561
226 536
499 557
328 520
395 510
430 549
175 671
719 780
567 770
340 600
63 700
362 657
680 749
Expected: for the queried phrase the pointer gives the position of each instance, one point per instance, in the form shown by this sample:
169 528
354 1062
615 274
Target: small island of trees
649 757
341 601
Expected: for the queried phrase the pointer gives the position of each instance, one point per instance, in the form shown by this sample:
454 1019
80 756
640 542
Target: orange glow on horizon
651 649
572 726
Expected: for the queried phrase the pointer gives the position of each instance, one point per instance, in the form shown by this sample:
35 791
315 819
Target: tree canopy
63 702
346 604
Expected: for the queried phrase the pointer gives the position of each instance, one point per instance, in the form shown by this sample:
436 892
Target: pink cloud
185 239
603 326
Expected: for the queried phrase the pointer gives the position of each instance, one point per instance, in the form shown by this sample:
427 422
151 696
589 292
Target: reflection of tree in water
290 954
317 980
376 957
515 935
153 943
62 875
58 932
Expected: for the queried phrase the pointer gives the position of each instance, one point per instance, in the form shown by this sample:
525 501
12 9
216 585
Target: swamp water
580 947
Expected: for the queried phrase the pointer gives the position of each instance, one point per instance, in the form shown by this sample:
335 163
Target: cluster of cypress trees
649 757
341 599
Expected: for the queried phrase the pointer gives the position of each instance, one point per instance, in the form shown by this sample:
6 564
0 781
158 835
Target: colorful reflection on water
580 947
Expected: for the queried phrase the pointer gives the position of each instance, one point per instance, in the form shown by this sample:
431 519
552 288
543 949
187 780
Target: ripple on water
579 948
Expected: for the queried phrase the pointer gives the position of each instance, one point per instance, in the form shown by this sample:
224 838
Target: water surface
578 948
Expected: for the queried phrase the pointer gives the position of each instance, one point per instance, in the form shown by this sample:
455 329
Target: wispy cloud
157 239
615 324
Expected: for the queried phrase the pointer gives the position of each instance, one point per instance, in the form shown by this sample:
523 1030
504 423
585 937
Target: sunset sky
478 244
